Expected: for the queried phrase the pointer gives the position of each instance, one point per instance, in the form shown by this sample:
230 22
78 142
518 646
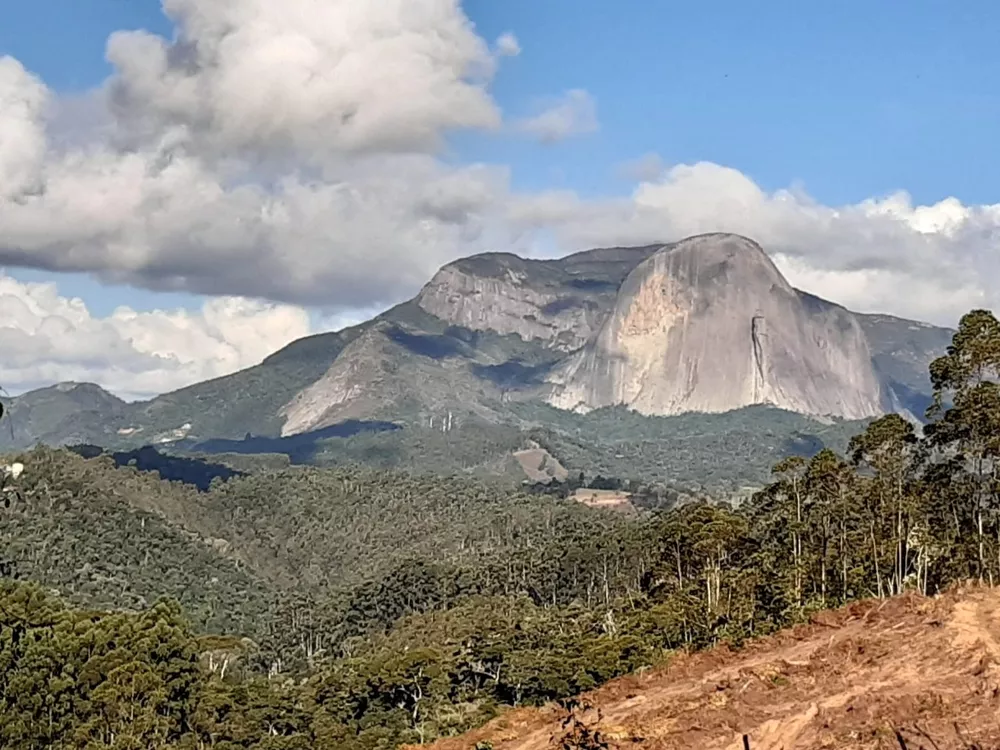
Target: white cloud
573 114
507 45
172 223
273 150
931 262
316 79
881 290
23 100
47 338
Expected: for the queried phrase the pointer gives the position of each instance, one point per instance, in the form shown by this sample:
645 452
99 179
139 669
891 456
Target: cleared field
925 668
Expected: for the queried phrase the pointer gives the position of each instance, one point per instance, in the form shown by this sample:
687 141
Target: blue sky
852 98
847 101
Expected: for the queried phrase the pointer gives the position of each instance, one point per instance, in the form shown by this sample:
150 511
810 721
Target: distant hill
108 532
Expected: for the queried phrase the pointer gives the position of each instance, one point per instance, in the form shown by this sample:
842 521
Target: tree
828 483
788 493
127 710
966 410
887 449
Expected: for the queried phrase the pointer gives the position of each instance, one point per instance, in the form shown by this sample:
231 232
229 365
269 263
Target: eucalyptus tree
966 427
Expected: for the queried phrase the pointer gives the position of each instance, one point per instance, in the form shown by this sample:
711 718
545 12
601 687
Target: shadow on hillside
429 345
802 444
194 471
513 373
198 472
300 449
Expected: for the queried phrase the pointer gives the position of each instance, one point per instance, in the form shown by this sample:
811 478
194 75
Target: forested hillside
382 608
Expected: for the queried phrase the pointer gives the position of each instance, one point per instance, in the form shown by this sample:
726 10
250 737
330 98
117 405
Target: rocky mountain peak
718 259
709 324
535 300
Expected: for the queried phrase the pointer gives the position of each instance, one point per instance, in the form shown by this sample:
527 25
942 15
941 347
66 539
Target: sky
187 186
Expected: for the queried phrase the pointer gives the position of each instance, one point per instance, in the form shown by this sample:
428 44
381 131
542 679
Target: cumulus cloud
881 254
23 100
507 45
573 114
275 150
173 224
314 78
47 338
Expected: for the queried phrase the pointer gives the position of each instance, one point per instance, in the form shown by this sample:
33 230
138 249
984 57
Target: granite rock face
396 372
709 324
560 304
349 389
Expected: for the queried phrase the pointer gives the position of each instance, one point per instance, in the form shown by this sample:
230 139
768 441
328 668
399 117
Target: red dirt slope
847 680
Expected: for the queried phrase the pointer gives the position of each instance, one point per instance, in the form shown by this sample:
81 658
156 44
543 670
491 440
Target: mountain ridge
438 358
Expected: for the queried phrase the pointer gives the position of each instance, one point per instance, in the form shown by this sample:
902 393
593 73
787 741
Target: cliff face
561 304
709 324
506 305
348 390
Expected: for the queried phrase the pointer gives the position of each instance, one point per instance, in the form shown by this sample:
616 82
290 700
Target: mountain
62 413
709 324
468 366
902 351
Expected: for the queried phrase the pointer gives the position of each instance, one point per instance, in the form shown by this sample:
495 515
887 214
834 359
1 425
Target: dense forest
364 608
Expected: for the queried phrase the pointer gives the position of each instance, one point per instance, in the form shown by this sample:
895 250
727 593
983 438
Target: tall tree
888 450
966 426
828 486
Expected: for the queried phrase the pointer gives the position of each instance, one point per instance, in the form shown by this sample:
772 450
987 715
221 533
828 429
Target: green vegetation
109 536
386 607
691 453
473 447
93 532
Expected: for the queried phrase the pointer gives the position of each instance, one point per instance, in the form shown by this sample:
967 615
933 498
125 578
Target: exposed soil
612 499
928 668
540 466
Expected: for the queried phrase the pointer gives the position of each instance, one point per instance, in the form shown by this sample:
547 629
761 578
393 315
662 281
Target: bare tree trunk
680 570
979 526
798 545
878 575
843 559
